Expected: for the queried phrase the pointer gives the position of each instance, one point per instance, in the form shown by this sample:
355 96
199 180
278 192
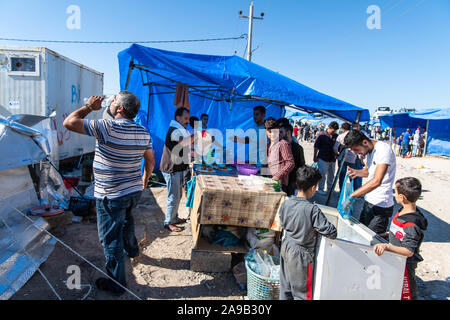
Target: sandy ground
162 271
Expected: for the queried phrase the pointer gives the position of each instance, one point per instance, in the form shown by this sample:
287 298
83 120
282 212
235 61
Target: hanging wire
242 36
70 249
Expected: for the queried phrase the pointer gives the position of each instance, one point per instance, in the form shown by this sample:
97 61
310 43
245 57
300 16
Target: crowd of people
121 144
410 144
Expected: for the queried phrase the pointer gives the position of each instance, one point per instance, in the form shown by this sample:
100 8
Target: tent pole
426 140
130 68
336 177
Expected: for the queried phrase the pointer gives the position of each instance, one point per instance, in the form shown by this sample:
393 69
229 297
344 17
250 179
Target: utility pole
250 29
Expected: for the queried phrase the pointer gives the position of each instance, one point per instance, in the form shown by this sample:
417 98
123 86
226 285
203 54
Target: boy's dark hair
287 127
203 115
345 126
306 177
354 138
261 109
334 125
410 187
283 122
180 111
270 124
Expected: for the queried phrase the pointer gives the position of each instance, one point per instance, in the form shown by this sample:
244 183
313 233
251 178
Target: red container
70 182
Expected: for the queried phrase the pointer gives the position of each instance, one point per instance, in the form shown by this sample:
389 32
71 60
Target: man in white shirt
380 173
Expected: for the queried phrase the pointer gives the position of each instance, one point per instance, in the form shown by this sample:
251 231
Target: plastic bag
347 190
262 239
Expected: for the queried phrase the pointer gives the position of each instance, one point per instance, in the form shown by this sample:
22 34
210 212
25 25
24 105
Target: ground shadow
433 290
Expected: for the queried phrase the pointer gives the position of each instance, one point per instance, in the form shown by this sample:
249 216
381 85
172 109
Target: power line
242 36
409 9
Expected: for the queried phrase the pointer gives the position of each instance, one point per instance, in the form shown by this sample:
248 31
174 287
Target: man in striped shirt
120 146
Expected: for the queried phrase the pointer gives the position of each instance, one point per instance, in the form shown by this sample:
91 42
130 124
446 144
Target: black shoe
106 285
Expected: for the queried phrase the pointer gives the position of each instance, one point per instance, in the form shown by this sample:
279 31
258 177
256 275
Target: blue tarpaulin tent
400 122
437 122
224 87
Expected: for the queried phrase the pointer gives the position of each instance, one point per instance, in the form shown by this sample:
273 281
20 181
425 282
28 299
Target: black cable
242 36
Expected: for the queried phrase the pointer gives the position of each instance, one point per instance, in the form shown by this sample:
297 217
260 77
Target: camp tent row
224 87
436 121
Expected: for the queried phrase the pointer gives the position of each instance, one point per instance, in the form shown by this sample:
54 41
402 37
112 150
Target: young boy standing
407 229
301 221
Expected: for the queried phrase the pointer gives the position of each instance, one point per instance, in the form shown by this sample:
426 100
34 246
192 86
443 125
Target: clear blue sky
324 44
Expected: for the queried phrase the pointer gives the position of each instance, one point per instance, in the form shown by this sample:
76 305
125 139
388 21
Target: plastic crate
81 206
262 288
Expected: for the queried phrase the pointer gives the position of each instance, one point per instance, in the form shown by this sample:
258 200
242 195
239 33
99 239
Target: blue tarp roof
227 88
235 77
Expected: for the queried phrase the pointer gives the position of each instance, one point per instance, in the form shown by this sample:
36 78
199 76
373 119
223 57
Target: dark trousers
411 269
115 225
375 218
296 268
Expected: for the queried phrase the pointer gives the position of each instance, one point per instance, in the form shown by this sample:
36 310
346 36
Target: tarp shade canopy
437 122
224 87
400 122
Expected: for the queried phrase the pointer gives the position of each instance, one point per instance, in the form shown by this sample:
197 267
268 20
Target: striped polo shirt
120 146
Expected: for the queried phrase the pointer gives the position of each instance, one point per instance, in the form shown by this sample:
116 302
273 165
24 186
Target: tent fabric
400 122
224 87
438 137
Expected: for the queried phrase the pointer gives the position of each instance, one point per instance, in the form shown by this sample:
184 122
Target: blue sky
324 44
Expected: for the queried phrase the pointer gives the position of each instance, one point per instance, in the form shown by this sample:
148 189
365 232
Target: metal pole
426 140
131 67
336 177
250 30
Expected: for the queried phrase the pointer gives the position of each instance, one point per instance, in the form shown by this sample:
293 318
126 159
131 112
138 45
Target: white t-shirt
382 196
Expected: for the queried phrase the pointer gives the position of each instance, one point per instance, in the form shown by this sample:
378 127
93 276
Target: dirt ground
163 269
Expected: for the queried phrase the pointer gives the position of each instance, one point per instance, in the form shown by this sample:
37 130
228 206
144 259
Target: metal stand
336 177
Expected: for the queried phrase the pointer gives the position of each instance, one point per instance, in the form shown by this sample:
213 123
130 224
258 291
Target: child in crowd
301 221
407 229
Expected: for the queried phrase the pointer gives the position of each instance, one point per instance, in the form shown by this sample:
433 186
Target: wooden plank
195 215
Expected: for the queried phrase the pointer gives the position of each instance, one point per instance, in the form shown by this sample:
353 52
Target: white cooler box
348 269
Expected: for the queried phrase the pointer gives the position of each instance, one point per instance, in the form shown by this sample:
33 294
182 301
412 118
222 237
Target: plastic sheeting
23 244
22 150
224 87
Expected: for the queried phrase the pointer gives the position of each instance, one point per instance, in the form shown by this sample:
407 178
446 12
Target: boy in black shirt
407 229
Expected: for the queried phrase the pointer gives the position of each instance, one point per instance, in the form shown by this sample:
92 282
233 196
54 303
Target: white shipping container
348 269
39 81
